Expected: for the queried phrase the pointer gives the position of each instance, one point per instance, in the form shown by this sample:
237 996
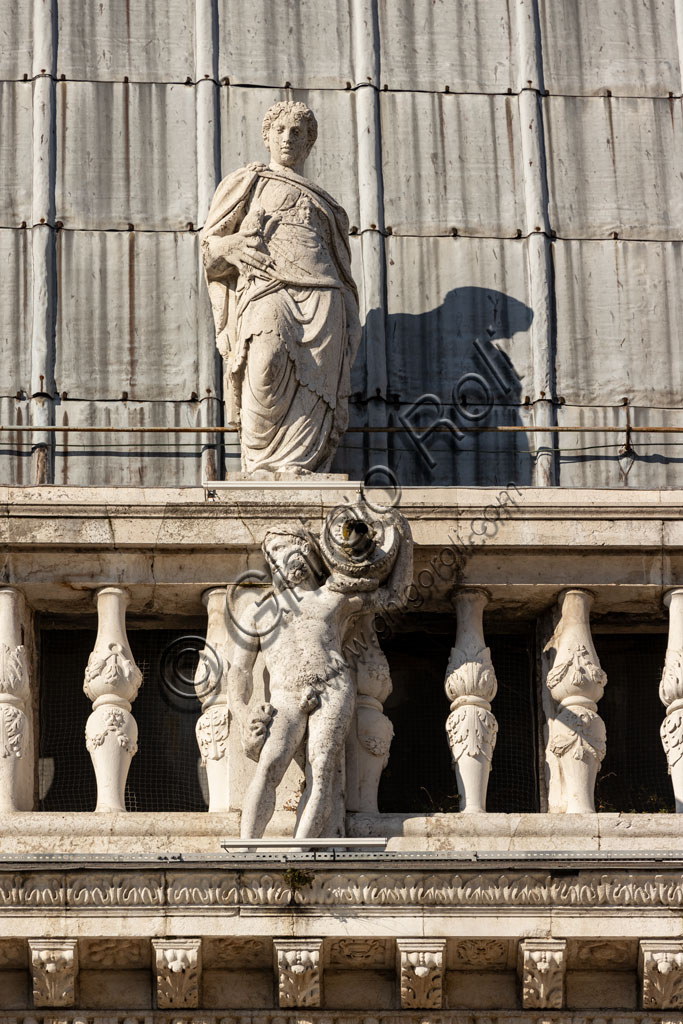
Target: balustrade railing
574 682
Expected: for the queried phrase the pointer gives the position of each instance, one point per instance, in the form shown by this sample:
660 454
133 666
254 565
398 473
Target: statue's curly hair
298 110
304 539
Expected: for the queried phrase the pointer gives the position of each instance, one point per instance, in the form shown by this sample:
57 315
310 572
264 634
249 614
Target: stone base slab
183 834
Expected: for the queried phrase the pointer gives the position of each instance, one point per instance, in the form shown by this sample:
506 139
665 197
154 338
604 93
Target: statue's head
289 131
293 556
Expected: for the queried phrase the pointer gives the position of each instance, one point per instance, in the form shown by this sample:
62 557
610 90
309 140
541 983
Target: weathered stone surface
299 973
420 967
542 965
112 681
317 589
575 732
278 268
471 686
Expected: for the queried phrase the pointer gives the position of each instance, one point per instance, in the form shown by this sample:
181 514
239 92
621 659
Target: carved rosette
14 694
576 742
297 965
211 680
660 965
112 680
54 965
420 967
542 964
177 965
671 695
471 686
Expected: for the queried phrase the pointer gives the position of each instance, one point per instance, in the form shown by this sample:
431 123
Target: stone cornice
59 543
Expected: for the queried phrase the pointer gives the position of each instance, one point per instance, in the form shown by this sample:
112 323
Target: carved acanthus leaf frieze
54 964
124 890
177 965
487 890
298 972
420 966
542 965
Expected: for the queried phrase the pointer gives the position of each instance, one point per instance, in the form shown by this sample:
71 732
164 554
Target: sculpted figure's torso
312 691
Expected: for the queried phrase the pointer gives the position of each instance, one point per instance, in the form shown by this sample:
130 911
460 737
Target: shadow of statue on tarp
462 364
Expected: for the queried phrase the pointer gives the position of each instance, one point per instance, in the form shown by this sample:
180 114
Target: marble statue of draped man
278 267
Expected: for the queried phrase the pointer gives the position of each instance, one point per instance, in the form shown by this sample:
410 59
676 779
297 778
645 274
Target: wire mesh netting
165 774
420 775
634 775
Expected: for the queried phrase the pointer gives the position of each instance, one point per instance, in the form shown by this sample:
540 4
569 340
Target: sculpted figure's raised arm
312 697
278 268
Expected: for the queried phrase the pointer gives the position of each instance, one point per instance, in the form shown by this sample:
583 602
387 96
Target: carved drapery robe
288 334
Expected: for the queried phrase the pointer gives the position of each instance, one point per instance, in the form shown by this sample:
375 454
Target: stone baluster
112 681
671 695
471 686
369 739
15 781
576 733
211 680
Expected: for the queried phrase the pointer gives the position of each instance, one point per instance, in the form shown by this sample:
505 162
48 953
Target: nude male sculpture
312 693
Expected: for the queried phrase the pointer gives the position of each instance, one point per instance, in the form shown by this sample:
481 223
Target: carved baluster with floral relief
112 681
471 686
211 680
369 739
576 733
671 695
14 694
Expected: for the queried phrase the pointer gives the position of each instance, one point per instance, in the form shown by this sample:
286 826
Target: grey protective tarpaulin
532 239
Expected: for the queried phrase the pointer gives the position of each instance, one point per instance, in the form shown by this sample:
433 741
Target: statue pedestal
287 476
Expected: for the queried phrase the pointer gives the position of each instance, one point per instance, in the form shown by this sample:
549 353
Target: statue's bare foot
255 730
